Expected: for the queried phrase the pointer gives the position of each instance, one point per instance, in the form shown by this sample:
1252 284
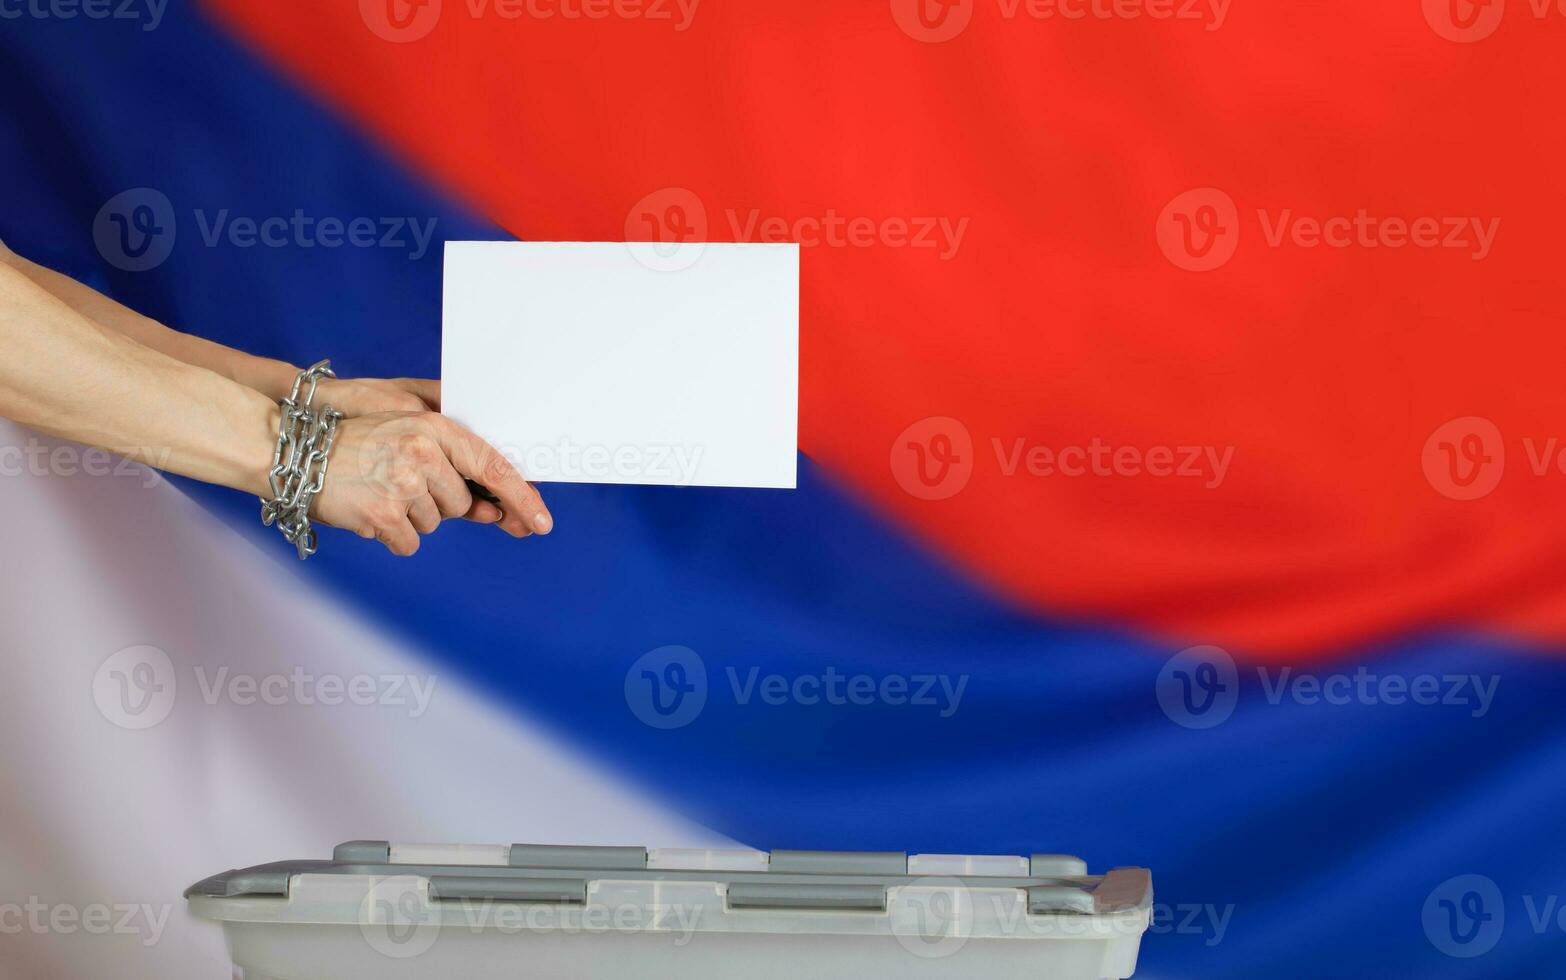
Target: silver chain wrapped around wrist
304 447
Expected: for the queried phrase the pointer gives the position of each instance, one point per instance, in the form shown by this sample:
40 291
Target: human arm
271 377
394 475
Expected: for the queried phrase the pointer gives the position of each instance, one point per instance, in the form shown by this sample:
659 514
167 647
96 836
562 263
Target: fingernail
542 523
502 516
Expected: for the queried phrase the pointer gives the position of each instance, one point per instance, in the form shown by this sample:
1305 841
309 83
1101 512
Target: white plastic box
443 912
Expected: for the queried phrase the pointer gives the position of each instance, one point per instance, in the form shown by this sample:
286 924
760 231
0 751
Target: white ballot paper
602 362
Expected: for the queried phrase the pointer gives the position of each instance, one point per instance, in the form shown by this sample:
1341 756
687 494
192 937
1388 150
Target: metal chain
304 447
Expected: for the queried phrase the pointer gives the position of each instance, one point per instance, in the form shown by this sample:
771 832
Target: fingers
484 512
424 514
477 460
449 490
457 497
398 536
428 390
419 470
486 506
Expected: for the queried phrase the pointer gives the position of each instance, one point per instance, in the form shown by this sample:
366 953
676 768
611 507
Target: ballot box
485 912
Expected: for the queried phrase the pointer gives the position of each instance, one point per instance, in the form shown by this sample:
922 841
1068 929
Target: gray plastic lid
783 879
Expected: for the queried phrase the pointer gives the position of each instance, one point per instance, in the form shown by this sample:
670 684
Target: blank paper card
608 363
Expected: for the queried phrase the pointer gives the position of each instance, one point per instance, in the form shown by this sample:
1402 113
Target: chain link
304 447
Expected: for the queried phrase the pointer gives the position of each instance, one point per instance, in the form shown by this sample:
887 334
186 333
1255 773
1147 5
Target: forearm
270 377
66 375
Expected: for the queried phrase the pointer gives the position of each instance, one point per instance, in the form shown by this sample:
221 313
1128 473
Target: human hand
369 396
396 475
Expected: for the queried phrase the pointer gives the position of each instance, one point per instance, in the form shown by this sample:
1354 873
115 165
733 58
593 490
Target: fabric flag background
1179 413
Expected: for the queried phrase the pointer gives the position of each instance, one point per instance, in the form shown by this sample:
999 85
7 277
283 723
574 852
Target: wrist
257 443
311 429
272 378
278 378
